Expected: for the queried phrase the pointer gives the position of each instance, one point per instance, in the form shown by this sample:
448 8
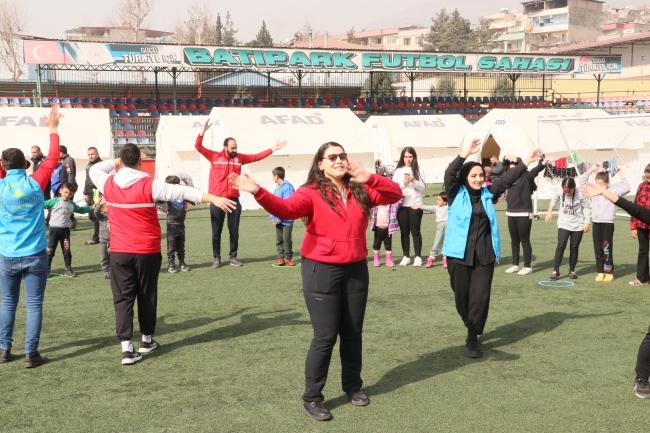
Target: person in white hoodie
408 176
603 213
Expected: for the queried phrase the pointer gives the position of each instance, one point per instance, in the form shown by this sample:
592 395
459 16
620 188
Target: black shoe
573 275
641 388
107 275
316 410
34 359
5 356
358 398
217 263
183 267
172 268
148 347
130 358
91 242
235 262
70 273
554 276
472 347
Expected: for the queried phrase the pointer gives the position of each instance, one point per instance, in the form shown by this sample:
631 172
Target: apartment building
406 38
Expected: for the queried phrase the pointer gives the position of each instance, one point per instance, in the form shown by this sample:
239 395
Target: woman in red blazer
335 203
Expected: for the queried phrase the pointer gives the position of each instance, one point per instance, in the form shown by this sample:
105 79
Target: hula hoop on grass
558 284
55 277
298 264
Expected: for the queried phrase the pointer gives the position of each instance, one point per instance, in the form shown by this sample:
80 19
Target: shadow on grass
249 324
224 262
446 360
92 344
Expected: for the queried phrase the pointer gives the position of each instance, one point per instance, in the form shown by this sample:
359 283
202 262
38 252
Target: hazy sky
283 18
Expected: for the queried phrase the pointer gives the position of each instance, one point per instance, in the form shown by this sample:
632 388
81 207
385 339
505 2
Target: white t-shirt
413 191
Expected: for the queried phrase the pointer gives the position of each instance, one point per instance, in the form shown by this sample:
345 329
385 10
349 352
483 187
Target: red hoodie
44 173
336 238
221 165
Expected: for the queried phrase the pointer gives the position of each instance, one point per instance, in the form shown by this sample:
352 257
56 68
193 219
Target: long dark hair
569 182
414 167
316 179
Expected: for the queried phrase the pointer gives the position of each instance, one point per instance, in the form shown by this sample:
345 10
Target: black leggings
382 235
562 239
472 286
410 221
519 228
604 246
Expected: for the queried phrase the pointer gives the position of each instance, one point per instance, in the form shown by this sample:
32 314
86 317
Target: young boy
441 218
283 228
62 208
101 213
176 212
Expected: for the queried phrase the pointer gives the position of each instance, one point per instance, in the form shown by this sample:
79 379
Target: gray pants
283 241
104 255
440 239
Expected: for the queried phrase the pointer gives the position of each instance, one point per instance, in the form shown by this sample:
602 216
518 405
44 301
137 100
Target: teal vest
460 215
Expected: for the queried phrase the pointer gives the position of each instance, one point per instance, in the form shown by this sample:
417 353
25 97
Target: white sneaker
512 269
525 271
417 261
130 358
406 261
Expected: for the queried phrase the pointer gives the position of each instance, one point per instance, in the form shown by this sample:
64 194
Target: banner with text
269 59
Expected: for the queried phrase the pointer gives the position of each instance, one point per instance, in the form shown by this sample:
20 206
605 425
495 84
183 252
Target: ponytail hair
569 182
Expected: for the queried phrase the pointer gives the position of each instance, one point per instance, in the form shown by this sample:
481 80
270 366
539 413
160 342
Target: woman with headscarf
520 216
472 243
335 201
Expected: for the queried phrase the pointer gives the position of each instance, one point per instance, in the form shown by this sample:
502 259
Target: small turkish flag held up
44 53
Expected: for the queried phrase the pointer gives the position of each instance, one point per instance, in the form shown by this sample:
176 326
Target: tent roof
304 130
444 131
246 78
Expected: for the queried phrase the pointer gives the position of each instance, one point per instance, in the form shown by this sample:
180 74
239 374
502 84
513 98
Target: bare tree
199 27
130 18
315 33
13 21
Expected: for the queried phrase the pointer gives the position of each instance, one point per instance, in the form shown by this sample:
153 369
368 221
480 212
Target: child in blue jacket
283 228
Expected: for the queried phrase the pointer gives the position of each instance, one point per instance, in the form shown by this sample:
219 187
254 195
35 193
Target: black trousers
283 241
175 242
603 234
642 271
93 218
472 286
336 297
59 235
134 277
410 221
562 239
381 235
643 358
519 228
218 216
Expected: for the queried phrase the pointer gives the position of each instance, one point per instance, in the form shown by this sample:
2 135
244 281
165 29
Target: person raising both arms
408 176
223 164
335 201
472 242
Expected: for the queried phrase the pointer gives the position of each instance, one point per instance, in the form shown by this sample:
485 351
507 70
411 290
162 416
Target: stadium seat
164 113
66 106
112 113
149 101
89 106
196 113
129 133
129 101
132 140
141 133
4 101
99 106
127 126
121 141
205 112
119 101
135 120
185 113
143 140
209 102
26 101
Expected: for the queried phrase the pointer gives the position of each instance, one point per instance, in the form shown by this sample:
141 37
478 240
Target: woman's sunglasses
342 156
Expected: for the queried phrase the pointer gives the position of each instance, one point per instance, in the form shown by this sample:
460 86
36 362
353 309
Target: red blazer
336 238
221 165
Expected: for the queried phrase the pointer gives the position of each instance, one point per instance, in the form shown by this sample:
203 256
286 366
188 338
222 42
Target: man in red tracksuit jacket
221 165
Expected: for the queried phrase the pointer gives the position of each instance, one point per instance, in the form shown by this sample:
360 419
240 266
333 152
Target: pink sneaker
389 260
444 262
430 261
376 257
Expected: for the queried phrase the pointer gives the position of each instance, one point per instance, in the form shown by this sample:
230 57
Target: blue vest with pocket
460 215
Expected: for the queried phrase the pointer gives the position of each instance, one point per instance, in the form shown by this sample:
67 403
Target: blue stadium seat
164 113
115 126
155 113
209 102
121 141
143 140
455 99
534 98
206 112
423 111
132 140
380 101
129 100
139 101
26 101
149 101
119 101
462 99
255 101
45 101
475 110
486 100
169 102
4 101
337 101
160 101
123 113
390 111
133 113
54 100
87 101
112 113
76 101
185 113
189 101
127 126
351 106
483 110
316 105
527 99
319 101
65 101
333 105
431 111
445 111
199 101
98 101
108 101
237 101
196 113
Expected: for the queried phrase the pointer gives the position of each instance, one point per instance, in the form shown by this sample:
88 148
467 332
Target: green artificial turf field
233 345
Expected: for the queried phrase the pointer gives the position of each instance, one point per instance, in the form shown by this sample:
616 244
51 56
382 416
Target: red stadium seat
359 106
182 107
67 106
440 105
110 107
141 133
151 107
374 106
259 106
120 133
477 105
310 101
129 133
88 106
135 120
130 107
307 105
362 100
99 106
161 107
202 107
191 107
119 107
343 105
78 106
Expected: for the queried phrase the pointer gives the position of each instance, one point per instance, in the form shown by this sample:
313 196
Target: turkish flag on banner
45 53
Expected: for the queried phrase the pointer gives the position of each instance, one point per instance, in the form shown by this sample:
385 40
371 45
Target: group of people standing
336 202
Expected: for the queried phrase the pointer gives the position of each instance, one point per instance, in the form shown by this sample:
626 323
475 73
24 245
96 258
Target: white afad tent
436 140
255 131
78 130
